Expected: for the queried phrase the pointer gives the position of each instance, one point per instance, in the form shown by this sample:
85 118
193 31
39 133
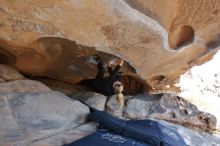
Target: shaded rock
138 108
113 106
201 86
65 88
178 110
69 136
134 85
183 35
7 73
93 99
170 108
194 138
31 117
22 86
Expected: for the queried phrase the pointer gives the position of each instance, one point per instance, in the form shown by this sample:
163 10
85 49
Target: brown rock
182 36
45 118
180 111
65 88
92 99
57 38
21 86
7 73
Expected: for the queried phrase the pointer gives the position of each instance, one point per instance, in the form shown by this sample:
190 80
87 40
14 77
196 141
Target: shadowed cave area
6 57
80 63
65 61
132 85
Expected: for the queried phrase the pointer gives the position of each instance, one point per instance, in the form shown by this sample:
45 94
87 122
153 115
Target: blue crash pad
106 138
120 132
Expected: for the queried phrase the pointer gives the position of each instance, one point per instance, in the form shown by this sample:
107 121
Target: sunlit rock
42 118
56 39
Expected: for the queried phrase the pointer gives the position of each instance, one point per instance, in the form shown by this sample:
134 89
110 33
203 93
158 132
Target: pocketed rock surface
160 40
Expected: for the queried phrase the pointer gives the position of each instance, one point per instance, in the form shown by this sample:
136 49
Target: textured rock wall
159 39
34 115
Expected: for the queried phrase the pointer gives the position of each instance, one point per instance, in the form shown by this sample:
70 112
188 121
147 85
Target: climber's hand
110 63
121 62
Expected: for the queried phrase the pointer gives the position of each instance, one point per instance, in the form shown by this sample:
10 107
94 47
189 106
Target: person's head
118 87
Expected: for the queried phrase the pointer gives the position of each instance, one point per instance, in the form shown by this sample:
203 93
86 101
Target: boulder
29 118
21 86
66 88
138 108
171 108
179 110
8 73
69 136
160 40
194 138
93 99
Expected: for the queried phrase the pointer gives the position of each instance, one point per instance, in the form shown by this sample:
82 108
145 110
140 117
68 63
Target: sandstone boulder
138 108
194 138
20 86
93 99
69 136
160 40
7 73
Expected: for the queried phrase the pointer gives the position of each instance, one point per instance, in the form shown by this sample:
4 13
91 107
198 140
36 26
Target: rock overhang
160 40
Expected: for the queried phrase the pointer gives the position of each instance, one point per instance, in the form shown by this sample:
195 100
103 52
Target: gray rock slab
30 117
20 86
93 99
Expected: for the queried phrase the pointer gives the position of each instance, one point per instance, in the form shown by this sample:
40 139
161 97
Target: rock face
66 88
159 39
138 108
45 118
7 73
33 115
22 86
70 135
93 99
201 86
170 108
193 138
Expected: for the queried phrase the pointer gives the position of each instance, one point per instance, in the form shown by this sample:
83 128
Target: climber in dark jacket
105 85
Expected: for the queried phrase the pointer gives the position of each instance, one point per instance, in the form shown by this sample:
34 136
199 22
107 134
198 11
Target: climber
105 85
118 89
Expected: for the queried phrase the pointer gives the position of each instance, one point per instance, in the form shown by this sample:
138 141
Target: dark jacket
105 85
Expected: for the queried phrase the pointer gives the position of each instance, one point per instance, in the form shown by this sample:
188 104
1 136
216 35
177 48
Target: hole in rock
173 115
204 120
214 43
132 85
157 79
184 112
57 85
181 36
6 57
3 59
